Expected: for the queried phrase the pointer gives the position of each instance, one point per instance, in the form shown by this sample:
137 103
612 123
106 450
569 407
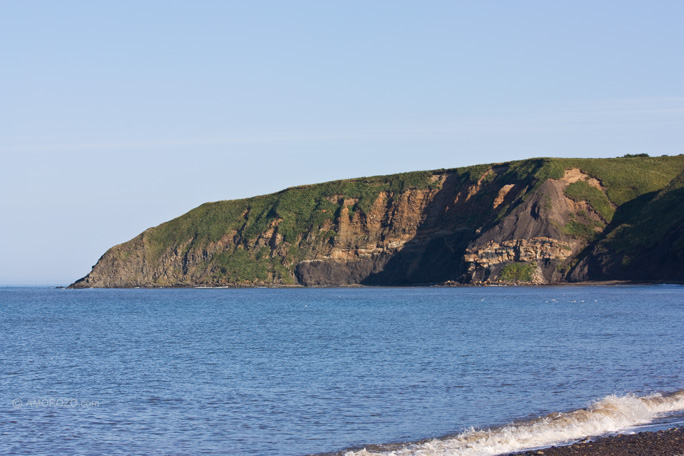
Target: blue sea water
301 371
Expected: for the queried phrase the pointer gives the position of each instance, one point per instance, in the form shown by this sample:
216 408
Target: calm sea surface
299 371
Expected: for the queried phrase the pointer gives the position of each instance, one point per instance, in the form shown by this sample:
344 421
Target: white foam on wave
610 414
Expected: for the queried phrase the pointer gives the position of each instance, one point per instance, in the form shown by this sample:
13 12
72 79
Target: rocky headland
537 221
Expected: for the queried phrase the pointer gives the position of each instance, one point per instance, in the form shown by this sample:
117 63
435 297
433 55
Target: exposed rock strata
455 226
546 254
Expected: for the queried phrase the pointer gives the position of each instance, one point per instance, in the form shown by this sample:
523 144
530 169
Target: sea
344 371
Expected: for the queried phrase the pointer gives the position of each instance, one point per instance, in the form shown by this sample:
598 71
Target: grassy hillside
261 239
297 211
649 234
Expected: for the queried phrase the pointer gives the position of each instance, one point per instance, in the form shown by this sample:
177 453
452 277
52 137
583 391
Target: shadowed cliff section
456 215
645 242
532 221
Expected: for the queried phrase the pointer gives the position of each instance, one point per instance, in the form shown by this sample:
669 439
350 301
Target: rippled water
298 371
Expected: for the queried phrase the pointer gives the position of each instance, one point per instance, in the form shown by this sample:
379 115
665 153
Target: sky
116 116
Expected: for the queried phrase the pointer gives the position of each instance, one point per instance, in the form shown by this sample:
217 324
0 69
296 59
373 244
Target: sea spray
610 414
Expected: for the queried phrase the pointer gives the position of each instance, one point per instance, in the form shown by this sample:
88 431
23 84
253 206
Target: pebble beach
668 442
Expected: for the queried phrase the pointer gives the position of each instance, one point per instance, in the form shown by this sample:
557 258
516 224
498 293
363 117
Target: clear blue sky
119 115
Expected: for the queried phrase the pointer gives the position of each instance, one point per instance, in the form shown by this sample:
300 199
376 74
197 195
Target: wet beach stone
668 442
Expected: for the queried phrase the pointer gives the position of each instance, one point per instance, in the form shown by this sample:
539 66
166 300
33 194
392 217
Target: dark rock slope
532 221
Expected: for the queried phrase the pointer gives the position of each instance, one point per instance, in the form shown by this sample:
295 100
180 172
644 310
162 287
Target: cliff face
538 221
645 242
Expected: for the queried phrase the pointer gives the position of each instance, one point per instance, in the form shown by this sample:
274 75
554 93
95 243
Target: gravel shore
662 443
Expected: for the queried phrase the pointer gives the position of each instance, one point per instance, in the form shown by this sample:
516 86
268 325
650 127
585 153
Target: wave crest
610 414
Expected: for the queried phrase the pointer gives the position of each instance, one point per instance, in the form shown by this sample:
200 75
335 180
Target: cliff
532 221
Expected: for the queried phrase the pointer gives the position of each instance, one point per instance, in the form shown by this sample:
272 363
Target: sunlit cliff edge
540 221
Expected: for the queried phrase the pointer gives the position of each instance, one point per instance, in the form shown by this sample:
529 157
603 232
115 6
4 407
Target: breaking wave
607 415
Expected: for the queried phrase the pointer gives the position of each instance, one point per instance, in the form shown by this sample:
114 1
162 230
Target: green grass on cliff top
624 178
648 223
305 208
297 210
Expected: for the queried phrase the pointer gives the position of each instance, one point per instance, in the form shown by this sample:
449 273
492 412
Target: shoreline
604 283
590 431
669 442
666 442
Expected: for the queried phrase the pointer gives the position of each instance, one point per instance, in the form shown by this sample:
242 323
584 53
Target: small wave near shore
607 415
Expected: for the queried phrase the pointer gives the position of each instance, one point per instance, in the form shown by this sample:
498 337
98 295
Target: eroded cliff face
344 249
504 223
538 233
364 243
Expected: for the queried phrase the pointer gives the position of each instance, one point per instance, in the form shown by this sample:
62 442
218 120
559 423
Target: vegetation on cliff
469 224
518 272
646 240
